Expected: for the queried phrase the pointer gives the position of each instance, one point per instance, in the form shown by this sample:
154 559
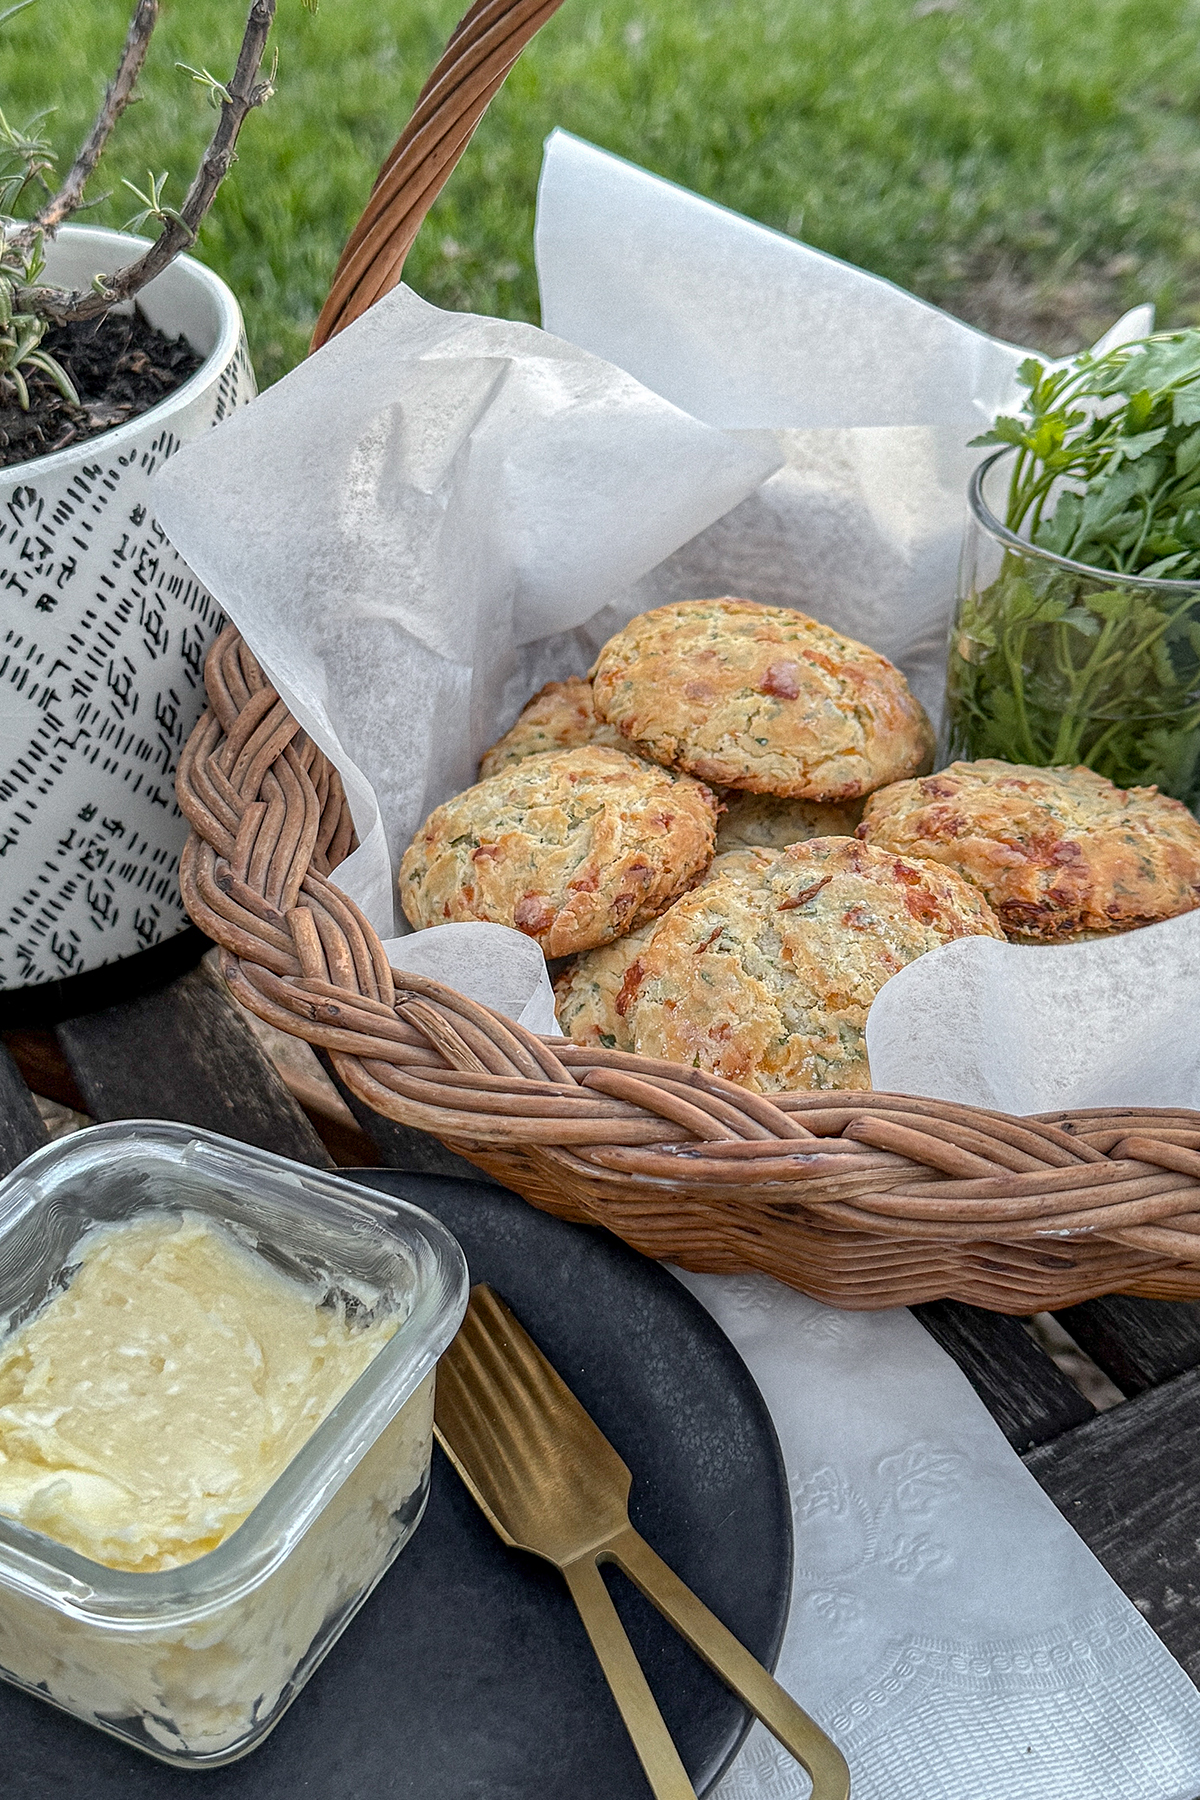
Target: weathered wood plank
44 1068
1129 1482
1138 1343
21 1128
185 1052
1028 1396
333 1123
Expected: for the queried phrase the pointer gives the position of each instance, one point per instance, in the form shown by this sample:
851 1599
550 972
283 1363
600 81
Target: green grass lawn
1033 165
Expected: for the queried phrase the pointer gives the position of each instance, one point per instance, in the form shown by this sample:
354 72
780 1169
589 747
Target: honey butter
147 1407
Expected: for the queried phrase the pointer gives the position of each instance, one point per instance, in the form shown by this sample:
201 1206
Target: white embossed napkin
948 1628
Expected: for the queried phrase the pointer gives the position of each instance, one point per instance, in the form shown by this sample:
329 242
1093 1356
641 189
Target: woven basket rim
599 1132
864 1200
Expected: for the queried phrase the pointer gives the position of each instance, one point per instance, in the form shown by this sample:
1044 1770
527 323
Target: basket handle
485 44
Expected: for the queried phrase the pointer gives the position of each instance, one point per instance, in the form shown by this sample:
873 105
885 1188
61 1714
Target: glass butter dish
195 1663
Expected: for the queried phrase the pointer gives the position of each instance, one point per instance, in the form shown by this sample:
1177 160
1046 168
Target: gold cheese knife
551 1483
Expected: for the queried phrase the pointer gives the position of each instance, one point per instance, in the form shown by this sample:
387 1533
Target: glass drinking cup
1054 662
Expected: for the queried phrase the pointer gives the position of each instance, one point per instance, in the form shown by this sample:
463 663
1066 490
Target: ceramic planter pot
103 634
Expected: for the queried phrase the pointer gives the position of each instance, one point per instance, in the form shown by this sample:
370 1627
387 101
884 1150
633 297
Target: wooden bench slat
44 1068
1129 1482
1138 1343
1026 1393
186 1053
21 1127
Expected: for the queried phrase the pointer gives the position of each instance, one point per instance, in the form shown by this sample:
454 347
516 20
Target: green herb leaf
1133 447
1123 478
1004 431
1165 564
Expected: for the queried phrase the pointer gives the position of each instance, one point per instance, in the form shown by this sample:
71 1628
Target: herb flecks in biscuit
559 717
761 698
767 976
1058 852
760 821
593 996
573 848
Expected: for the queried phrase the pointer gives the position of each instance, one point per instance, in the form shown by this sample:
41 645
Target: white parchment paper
871 395
1033 1027
439 512
409 528
488 963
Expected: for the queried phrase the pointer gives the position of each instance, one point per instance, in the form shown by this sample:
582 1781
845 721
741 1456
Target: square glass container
196 1664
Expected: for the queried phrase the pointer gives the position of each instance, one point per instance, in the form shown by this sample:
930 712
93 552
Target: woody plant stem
244 92
117 96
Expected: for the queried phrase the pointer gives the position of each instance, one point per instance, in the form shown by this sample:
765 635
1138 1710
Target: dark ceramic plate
468 1675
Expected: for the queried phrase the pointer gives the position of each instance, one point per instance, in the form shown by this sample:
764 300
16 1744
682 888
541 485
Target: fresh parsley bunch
1051 665
1122 432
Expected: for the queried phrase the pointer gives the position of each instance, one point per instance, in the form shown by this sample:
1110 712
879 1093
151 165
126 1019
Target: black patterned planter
103 635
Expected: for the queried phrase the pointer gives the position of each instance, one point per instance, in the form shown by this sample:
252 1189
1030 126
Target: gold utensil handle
658 1756
731 1660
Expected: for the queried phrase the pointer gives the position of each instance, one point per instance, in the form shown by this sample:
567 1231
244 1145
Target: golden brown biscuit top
1057 851
762 698
591 996
746 859
559 717
766 975
572 848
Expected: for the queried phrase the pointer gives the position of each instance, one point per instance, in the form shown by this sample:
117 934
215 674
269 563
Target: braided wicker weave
863 1200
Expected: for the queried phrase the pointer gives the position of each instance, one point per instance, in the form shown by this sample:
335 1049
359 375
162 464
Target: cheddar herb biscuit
592 996
572 847
762 698
559 717
1058 852
760 821
767 977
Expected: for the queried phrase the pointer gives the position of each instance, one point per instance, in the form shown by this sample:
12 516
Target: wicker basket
863 1200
